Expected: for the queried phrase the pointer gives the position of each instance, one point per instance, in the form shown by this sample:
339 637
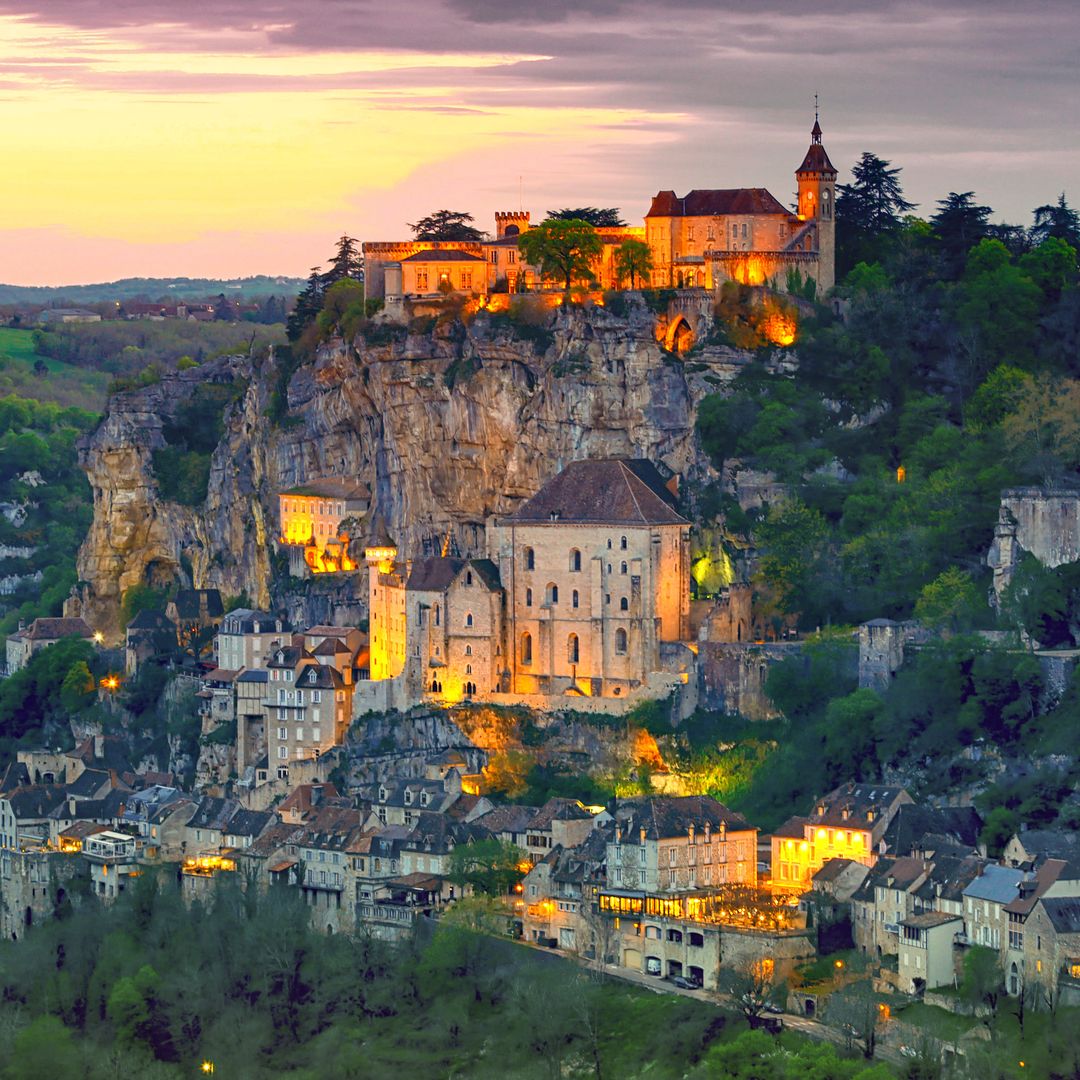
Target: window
316 696
437 615
575 561
468 669
620 641
282 733
530 559
574 598
609 543
744 230
526 648
511 257
622 543
624 604
622 568
468 650
572 648
468 618
528 597
466 279
552 593
282 752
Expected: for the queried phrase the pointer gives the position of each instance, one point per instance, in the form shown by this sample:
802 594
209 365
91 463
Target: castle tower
511 223
386 605
817 203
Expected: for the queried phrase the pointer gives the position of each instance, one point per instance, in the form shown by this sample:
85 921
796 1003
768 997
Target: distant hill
151 289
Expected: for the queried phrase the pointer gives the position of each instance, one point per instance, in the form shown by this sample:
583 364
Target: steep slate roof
512 819
35 801
435 573
832 869
663 817
559 809
1064 913
152 620
914 824
816 159
857 800
616 491
15 775
249 822
1000 884
705 202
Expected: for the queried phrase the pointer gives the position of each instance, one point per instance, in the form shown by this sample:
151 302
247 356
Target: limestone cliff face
447 427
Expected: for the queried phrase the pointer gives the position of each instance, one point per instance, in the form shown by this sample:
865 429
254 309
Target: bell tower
817 203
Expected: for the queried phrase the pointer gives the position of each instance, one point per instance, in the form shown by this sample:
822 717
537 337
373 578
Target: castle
697 240
584 593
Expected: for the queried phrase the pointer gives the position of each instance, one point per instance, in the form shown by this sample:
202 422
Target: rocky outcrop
447 427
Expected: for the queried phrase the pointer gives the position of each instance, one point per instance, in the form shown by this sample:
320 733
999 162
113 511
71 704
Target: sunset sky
142 137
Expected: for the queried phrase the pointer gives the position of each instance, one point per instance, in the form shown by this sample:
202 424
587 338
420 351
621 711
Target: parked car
770 1007
685 983
652 965
909 1052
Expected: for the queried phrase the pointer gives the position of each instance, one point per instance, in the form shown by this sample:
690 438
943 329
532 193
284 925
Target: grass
64 384
938 1022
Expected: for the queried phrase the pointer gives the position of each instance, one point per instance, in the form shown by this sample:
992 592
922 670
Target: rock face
447 427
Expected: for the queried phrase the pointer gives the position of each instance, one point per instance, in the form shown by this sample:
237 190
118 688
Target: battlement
511 222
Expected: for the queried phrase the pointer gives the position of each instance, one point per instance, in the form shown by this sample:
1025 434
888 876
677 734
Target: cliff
447 426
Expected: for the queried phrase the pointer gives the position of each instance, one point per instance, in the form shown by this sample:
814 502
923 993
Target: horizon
245 138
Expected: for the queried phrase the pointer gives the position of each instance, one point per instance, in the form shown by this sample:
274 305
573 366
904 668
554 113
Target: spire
815 133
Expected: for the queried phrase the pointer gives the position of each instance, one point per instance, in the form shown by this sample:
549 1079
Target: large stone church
584 593
698 240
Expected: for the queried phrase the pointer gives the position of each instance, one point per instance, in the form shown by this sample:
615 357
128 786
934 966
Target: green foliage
659 300
563 250
486 866
66 385
77 688
633 261
139 598
951 602
182 467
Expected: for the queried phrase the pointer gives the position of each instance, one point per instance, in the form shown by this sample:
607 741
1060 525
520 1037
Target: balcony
961 938
323 881
892 928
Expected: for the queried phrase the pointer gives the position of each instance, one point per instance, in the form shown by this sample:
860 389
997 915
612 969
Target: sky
149 138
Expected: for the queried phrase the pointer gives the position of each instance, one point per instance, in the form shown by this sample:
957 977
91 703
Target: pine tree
1058 220
308 305
347 262
959 225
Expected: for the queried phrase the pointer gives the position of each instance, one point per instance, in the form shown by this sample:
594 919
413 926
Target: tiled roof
664 817
708 202
999 884
35 801
816 160
152 620
615 491
332 488
53 629
435 573
558 809
913 824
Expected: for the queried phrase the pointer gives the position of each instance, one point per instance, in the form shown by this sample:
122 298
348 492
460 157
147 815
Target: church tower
817 203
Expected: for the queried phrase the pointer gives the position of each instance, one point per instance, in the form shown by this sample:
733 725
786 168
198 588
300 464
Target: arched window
624 604
574 599
468 577
609 543
620 641
436 614
575 561
622 568
530 559
622 543
552 593
468 618
468 650
528 597
572 648
526 648
468 669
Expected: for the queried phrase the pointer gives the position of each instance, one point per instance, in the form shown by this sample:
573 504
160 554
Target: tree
1044 430
346 262
446 225
750 985
959 224
797 559
633 260
489 866
983 982
869 211
77 688
601 217
950 602
562 249
1058 220
855 1008
308 305
43 1048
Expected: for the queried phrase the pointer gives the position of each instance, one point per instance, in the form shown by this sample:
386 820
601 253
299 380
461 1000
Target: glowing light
99 637
901 474
207 1066
110 683
779 329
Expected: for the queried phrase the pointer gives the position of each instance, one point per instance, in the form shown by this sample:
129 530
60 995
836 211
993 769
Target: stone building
596 571
40 634
316 521
586 586
848 823
245 637
710 236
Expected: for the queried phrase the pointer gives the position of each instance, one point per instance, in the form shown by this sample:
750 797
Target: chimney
99 746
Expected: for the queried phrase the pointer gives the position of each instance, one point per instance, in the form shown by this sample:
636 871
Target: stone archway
680 335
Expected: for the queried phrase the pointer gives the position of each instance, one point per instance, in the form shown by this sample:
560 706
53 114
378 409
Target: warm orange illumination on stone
779 329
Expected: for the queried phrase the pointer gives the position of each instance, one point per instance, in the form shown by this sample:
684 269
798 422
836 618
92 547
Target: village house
113 862
151 635
925 951
244 637
882 902
848 823
318 521
1052 947
40 634
195 613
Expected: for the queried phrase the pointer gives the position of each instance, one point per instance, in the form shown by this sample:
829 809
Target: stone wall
1044 522
733 674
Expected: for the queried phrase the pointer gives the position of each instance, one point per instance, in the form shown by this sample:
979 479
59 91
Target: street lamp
207 1067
